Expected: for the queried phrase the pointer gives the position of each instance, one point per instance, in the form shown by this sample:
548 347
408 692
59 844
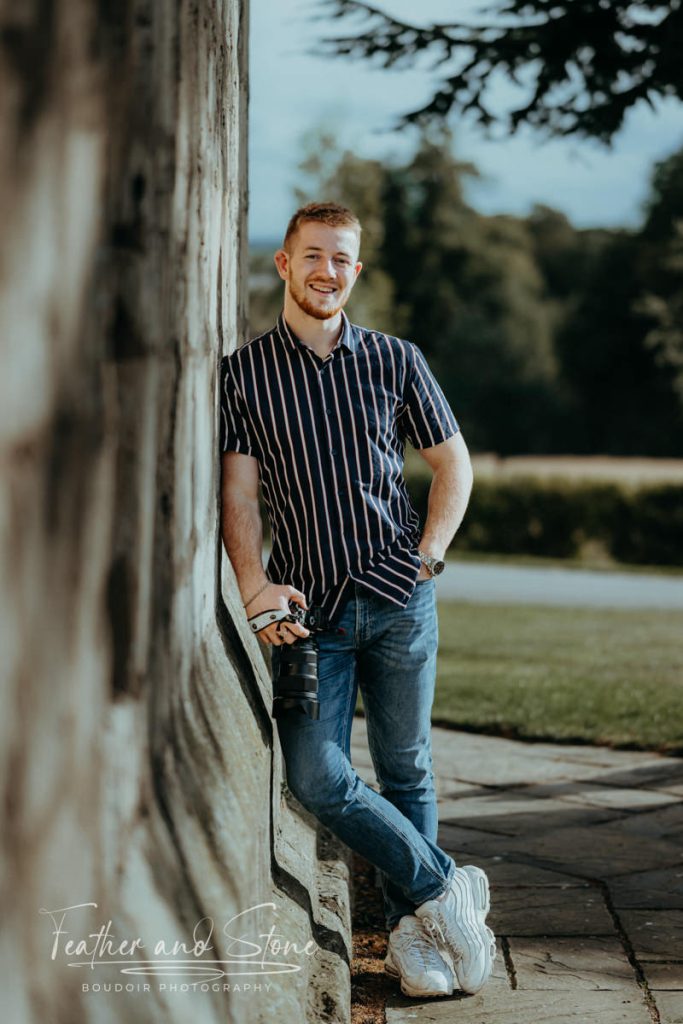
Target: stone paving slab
664 773
601 851
597 964
583 848
662 890
494 1006
667 977
494 761
594 794
598 791
654 934
670 1006
508 873
664 822
550 911
517 818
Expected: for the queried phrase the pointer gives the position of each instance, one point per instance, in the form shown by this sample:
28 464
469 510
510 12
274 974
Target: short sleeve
426 418
235 432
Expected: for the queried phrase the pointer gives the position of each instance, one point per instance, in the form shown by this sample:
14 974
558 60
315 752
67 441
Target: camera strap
267 618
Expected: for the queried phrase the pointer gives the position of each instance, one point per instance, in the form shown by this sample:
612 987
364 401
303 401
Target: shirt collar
287 335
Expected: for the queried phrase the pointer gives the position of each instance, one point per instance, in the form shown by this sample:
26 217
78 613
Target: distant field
597 676
629 471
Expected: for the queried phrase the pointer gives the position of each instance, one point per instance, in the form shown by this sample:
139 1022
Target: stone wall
142 779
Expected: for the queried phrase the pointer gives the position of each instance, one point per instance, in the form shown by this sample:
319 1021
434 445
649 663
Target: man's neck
320 335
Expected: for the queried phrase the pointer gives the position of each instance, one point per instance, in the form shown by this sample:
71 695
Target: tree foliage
579 65
546 339
662 286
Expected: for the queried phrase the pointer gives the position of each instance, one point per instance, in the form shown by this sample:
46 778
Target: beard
310 309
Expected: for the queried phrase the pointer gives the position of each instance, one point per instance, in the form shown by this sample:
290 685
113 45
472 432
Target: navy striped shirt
329 436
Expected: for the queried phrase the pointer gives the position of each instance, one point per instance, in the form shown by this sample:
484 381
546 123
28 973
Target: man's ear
281 258
358 268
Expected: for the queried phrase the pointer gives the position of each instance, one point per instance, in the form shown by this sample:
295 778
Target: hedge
554 518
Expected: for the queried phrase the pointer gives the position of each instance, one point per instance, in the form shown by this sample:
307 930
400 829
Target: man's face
320 268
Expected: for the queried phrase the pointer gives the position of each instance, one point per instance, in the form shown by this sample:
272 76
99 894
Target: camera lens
296 679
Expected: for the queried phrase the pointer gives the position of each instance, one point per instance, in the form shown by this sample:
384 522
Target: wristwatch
435 565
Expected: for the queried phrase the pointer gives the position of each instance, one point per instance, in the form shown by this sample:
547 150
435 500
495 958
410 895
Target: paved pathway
509 584
584 850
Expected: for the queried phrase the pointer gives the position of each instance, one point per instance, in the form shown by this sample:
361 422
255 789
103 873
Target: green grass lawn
605 677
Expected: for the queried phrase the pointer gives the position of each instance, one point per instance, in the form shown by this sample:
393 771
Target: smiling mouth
323 289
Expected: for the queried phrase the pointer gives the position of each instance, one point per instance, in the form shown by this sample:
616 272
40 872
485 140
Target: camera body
295 684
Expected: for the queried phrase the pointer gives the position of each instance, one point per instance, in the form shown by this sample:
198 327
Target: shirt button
328 411
333 451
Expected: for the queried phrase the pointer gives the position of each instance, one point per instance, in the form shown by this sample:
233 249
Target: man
317 411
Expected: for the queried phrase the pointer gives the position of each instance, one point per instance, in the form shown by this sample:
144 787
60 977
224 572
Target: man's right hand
277 596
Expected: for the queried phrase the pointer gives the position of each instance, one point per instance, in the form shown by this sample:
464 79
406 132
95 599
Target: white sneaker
414 957
457 923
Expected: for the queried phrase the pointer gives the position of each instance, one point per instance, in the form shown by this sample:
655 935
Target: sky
293 93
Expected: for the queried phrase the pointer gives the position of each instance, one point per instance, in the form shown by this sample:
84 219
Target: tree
582 64
620 348
666 337
662 297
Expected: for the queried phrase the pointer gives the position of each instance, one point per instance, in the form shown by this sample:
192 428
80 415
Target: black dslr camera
295 684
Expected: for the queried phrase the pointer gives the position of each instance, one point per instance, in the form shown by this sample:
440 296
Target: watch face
438 567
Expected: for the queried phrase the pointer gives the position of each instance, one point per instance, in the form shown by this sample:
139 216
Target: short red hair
334 214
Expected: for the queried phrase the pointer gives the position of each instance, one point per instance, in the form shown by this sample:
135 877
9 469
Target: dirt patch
370 986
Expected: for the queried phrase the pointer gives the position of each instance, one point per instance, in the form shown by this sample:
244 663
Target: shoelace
425 948
436 931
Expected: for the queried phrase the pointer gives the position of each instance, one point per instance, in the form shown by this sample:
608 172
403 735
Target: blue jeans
390 652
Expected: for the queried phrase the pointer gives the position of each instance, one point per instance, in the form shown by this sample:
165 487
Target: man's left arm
448 495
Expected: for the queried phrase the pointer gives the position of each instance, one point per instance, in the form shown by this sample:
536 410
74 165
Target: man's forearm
448 497
242 532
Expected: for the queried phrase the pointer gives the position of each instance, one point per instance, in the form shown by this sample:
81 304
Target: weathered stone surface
499 1006
654 889
654 934
510 873
137 752
509 813
550 911
668 977
661 773
663 822
596 964
670 1006
601 851
494 762
461 841
401 1008
620 799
